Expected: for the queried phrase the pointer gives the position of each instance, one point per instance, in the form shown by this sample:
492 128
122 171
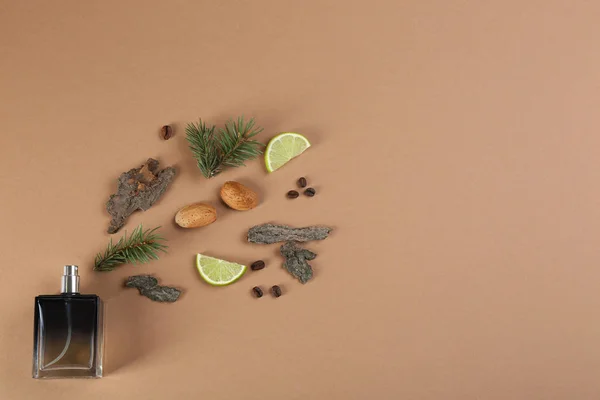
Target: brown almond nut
196 215
238 196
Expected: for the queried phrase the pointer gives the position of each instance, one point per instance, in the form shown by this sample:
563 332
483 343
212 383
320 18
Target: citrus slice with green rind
282 148
218 272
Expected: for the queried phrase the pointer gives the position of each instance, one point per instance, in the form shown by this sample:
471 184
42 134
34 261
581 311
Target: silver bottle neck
70 280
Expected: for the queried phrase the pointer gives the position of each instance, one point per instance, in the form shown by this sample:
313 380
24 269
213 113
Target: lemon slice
218 272
282 148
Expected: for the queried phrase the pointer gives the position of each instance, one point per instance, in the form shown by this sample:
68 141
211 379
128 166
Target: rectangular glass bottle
68 332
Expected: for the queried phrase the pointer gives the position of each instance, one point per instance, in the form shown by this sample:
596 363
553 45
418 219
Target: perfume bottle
68 332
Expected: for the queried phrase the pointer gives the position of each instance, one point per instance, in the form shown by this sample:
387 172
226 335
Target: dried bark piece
270 233
296 261
146 174
148 286
141 281
138 189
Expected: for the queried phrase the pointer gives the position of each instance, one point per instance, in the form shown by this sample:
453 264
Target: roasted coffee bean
292 194
257 291
302 182
256 265
276 290
166 132
310 192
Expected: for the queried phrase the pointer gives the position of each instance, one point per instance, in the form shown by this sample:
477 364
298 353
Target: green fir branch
202 143
140 247
231 147
236 146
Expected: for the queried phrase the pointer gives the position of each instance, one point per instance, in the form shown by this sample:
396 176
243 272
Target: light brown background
455 152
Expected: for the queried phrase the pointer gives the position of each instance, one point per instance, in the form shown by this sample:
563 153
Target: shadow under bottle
68 332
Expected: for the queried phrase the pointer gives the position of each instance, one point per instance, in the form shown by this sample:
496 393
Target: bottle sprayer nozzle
70 280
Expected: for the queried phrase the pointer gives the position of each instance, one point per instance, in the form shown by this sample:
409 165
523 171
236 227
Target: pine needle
140 247
231 147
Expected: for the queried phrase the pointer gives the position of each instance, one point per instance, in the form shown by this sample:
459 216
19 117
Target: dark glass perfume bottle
68 332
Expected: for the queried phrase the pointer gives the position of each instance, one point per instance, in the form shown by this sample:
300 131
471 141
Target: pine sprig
140 247
202 143
231 147
236 144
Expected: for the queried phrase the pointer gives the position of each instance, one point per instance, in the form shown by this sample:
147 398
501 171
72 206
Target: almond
196 215
238 196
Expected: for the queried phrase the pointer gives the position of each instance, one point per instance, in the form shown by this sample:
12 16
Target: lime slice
282 148
218 272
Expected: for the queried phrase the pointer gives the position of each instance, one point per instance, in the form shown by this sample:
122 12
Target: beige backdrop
455 153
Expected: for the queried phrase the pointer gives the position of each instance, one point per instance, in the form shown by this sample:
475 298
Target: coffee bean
166 132
310 192
302 182
276 290
257 291
260 264
292 194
